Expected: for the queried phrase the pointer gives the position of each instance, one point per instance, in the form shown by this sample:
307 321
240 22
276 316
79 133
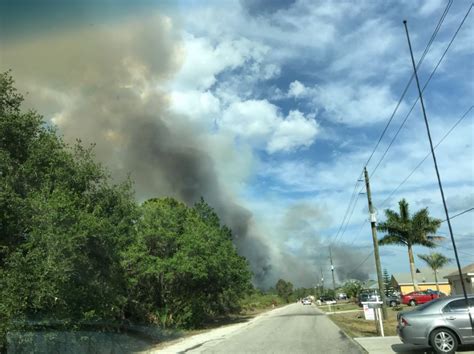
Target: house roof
426 275
469 269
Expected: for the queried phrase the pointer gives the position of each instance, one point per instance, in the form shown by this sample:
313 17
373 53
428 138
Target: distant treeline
76 248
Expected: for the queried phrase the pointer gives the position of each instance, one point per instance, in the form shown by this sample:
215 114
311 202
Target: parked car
418 297
342 296
443 324
392 300
365 297
328 300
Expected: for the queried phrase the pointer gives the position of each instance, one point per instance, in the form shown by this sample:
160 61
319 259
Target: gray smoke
308 251
107 85
102 85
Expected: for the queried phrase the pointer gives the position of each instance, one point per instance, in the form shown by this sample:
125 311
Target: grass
256 302
339 307
354 324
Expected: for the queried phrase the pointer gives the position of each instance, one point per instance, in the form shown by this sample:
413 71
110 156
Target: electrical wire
459 214
427 48
360 265
353 197
423 90
426 157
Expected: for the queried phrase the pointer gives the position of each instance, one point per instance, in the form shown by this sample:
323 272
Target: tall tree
409 230
284 289
435 261
387 282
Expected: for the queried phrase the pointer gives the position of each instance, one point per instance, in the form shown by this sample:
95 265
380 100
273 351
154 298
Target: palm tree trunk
412 268
436 280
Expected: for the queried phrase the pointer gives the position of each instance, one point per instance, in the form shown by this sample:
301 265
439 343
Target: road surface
295 328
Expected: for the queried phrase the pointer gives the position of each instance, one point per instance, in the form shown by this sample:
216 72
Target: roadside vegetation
77 250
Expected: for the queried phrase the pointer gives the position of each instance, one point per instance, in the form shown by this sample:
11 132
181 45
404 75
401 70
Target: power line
427 155
423 90
451 249
360 265
459 214
353 196
427 48
440 184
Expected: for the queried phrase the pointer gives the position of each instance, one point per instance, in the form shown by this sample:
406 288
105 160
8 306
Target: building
467 274
425 279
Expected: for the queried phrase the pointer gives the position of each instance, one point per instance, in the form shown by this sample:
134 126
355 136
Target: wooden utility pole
332 272
322 281
373 226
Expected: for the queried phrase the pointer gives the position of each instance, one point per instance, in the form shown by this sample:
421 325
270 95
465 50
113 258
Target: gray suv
442 323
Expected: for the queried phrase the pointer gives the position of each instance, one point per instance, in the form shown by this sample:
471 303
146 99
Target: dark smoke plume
105 83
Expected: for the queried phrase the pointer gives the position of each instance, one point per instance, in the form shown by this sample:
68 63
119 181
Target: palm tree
435 261
404 229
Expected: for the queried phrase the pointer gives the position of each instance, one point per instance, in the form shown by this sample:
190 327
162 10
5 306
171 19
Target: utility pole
440 185
322 282
373 221
332 272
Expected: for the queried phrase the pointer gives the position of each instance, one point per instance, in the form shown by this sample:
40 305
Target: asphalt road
293 329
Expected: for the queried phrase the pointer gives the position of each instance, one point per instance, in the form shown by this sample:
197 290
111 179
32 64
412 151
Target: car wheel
412 303
393 303
443 341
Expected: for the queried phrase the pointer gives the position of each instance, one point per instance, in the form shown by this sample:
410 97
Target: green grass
339 307
354 324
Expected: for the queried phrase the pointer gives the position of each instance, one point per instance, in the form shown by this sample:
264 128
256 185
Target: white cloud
296 89
355 105
261 123
293 132
430 6
197 105
205 59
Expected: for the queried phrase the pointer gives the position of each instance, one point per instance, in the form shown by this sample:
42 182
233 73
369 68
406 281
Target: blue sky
285 99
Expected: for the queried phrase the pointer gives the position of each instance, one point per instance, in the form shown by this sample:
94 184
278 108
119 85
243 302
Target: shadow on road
412 349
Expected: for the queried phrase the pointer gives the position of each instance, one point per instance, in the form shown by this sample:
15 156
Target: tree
435 261
403 229
352 288
182 267
284 289
387 280
62 225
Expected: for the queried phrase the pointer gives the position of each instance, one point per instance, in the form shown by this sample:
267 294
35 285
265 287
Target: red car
418 297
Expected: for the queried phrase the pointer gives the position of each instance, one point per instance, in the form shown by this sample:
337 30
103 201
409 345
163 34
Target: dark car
327 300
392 300
442 323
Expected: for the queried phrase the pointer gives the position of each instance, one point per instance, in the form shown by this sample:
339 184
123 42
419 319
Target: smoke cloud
106 85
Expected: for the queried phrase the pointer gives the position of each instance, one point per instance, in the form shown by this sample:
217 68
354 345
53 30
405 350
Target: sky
267 109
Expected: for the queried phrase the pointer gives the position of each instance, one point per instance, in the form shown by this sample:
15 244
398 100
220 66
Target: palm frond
404 211
392 239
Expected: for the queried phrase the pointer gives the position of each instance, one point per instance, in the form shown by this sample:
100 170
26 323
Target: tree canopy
76 247
408 230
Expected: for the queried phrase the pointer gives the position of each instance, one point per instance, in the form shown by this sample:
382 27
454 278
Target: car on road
443 323
306 302
419 297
